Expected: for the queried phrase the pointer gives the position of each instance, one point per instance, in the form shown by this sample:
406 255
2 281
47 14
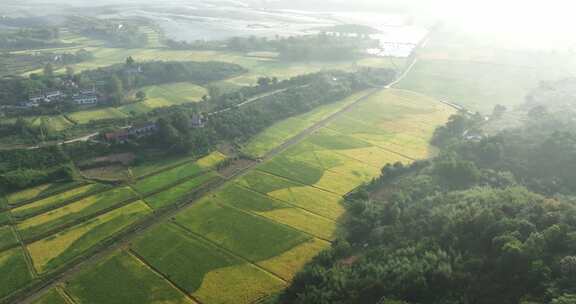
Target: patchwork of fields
240 243
48 227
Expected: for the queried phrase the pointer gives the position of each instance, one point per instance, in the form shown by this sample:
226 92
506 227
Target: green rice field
123 279
57 250
15 273
53 296
167 178
249 236
7 237
38 191
202 269
179 192
55 200
85 207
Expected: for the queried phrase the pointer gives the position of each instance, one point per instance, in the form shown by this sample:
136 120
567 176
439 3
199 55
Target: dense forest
492 219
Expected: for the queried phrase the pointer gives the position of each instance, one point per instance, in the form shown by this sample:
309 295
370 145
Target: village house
85 99
198 121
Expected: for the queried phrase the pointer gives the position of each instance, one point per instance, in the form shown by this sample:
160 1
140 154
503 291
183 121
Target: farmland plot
53 296
15 273
123 279
167 178
247 235
176 193
64 215
55 200
56 250
284 130
7 237
38 191
281 212
202 269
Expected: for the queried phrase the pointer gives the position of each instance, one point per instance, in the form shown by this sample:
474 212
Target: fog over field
517 21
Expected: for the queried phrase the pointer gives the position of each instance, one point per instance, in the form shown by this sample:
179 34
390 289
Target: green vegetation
55 200
301 172
7 237
53 296
123 279
57 250
202 269
15 273
167 178
85 207
86 116
38 191
491 219
246 235
167 95
284 130
179 192
4 218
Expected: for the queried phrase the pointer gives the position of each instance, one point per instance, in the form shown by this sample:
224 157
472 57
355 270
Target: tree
140 95
116 90
48 70
130 61
70 72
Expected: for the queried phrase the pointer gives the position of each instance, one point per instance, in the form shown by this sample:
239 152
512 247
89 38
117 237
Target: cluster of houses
89 96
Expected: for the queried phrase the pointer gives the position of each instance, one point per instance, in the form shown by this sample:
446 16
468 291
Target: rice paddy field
67 214
7 237
14 270
55 200
53 296
36 192
180 192
57 250
167 178
124 279
202 269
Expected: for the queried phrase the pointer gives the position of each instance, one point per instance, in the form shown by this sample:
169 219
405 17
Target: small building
85 99
198 121
53 96
36 99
